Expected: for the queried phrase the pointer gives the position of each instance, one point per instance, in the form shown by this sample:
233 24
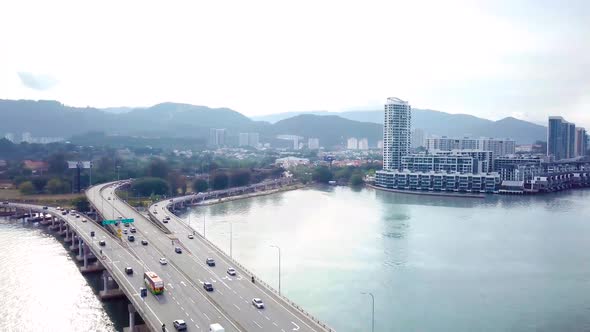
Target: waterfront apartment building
500 147
561 138
433 181
581 142
417 138
517 168
460 161
396 132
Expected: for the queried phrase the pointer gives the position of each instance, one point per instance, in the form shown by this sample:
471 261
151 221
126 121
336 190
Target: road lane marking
275 324
265 316
206 316
237 307
257 324
296 328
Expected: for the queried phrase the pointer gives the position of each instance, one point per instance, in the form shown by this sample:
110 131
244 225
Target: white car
258 303
163 261
190 236
231 271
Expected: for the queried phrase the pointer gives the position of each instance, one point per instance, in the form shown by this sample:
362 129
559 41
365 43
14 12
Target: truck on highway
216 328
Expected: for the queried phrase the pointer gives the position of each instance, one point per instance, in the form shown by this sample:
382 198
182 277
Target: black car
102 243
208 286
178 250
210 262
5 203
131 238
45 208
165 221
64 213
129 270
144 242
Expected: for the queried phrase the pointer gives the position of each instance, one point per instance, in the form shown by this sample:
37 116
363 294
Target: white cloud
490 59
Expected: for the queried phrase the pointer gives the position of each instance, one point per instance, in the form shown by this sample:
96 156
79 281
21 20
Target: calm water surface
504 263
43 290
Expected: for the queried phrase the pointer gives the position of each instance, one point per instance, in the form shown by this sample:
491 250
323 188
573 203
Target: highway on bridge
233 294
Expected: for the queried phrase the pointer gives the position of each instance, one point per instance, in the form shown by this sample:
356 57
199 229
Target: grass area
46 199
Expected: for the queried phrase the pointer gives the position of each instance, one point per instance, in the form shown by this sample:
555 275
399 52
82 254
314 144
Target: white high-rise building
313 143
253 139
363 144
396 132
10 137
417 138
380 144
27 137
352 143
243 139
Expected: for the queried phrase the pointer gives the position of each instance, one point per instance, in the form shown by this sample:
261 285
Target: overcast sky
492 59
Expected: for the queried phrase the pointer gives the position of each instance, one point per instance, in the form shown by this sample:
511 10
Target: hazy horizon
490 59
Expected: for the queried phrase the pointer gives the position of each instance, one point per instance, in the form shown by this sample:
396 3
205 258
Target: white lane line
181 308
206 316
237 307
257 324
218 291
193 301
265 316
169 284
182 283
275 324
186 313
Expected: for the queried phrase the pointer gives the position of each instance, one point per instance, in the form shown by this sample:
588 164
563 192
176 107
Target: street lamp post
372 310
274 246
231 240
118 167
204 224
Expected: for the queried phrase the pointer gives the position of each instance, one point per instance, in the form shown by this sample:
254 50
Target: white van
216 328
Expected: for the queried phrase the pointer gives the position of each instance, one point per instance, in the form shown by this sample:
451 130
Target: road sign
119 232
109 222
126 221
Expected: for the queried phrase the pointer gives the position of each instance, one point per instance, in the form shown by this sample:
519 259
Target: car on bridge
5 202
144 242
132 230
45 208
258 303
210 261
179 325
208 286
102 243
190 236
129 270
163 261
131 238
178 250
231 271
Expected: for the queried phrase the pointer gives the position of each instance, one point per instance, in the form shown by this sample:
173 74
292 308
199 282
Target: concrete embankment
428 193
250 195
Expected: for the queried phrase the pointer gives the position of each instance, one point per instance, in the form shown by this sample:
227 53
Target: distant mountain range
174 120
441 124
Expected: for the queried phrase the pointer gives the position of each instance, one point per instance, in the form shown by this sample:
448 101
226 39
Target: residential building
293 138
291 161
216 137
253 140
581 142
417 138
243 139
396 132
440 163
313 143
500 147
517 168
433 181
27 137
352 143
561 138
363 144
380 144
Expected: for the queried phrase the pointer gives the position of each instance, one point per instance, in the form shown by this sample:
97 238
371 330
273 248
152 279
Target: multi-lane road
230 304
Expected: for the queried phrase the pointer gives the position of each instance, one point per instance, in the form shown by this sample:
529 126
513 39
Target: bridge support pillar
79 246
86 250
131 309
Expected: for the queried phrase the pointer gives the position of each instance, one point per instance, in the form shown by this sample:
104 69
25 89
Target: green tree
200 185
177 182
26 188
356 179
81 204
57 186
322 174
219 180
157 168
149 186
240 178
39 183
57 163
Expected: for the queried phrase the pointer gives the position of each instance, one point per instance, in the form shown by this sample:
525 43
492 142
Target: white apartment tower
396 132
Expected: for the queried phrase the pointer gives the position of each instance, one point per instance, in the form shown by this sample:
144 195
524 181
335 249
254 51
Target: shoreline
427 193
250 195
